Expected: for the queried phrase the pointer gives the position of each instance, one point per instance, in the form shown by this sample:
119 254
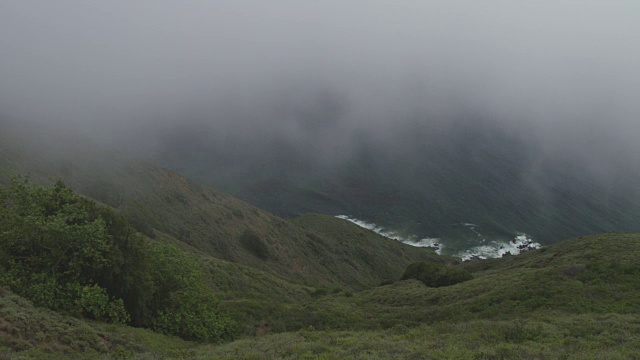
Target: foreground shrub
184 305
57 249
64 252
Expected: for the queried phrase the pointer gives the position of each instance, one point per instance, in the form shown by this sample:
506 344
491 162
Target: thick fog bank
411 108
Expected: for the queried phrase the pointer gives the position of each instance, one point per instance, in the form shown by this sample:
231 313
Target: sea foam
490 249
433 243
496 249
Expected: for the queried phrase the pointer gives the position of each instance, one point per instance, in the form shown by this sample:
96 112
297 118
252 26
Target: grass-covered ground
540 336
28 332
578 299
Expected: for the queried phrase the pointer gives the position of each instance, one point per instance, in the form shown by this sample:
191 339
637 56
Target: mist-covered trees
68 254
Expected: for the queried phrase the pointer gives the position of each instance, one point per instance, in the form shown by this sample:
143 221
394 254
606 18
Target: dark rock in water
526 245
474 257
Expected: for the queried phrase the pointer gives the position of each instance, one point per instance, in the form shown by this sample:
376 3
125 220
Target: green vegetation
58 252
29 332
552 336
315 251
77 280
252 243
65 253
513 308
185 305
434 275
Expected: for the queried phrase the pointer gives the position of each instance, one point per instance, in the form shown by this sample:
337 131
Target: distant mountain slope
207 220
425 180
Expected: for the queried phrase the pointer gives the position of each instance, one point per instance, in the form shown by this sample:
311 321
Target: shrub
94 302
55 247
435 275
63 252
252 242
183 303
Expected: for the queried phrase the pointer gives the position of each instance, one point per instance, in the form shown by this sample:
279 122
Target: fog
322 76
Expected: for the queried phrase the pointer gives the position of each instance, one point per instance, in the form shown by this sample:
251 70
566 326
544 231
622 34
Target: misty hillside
418 116
426 181
159 201
319 180
575 299
313 286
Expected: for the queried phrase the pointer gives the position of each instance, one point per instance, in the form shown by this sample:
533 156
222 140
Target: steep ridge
156 199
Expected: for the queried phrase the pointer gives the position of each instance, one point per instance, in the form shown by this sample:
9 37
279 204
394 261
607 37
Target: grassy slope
29 332
576 299
588 336
597 274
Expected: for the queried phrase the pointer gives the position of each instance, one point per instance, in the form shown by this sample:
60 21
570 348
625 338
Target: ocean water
471 246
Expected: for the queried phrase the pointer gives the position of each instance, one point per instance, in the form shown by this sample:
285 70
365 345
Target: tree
53 248
184 304
66 253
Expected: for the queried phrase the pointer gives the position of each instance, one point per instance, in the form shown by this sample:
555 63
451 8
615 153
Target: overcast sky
248 65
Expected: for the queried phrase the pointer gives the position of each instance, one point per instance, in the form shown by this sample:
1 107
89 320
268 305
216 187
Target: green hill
158 200
573 300
314 286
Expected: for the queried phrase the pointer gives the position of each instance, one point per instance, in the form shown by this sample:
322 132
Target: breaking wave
489 249
433 243
496 249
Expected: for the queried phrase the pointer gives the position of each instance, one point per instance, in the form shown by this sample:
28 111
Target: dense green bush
54 247
252 242
436 275
183 302
65 253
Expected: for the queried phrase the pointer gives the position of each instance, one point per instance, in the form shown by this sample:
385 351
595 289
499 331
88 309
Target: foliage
252 242
36 333
94 302
65 253
184 305
552 336
161 203
53 250
436 275
575 299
